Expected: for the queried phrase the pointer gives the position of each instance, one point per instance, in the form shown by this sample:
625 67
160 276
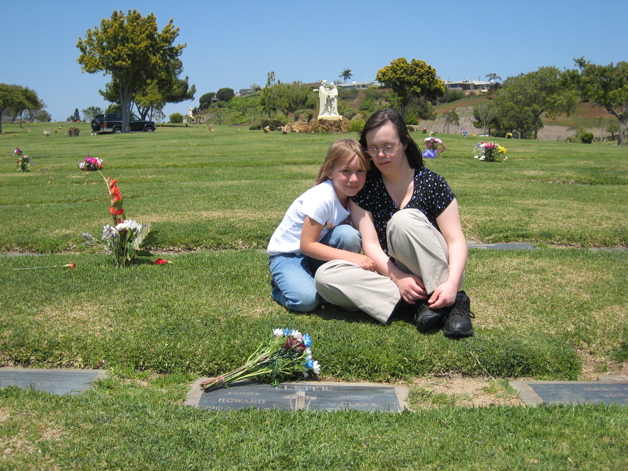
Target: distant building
358 85
471 86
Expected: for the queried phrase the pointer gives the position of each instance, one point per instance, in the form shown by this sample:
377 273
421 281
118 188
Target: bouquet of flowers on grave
24 162
90 164
489 152
126 238
285 356
434 146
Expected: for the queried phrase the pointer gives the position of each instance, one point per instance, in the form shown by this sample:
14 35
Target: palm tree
346 75
493 77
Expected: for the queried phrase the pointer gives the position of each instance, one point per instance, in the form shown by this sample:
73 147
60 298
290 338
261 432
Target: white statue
328 101
190 114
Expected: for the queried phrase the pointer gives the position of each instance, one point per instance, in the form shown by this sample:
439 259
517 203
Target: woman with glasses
408 219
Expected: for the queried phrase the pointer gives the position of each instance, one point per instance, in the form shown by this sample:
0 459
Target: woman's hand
362 261
411 288
443 296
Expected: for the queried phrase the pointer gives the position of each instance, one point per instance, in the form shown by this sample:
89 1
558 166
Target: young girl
315 229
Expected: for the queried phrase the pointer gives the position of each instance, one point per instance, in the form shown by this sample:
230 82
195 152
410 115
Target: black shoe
427 319
458 323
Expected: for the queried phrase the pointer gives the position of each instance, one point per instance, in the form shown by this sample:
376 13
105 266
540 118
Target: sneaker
458 323
427 319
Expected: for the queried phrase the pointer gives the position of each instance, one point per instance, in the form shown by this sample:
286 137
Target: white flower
296 334
129 225
278 332
316 368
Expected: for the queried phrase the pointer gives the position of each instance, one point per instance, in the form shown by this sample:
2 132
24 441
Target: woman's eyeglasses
387 150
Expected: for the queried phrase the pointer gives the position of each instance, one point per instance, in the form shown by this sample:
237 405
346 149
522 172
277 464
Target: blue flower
429 154
307 340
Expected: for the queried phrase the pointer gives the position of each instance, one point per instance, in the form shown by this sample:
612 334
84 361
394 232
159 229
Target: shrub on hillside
356 125
176 118
586 137
273 123
412 118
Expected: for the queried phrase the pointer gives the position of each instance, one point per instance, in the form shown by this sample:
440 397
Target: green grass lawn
215 197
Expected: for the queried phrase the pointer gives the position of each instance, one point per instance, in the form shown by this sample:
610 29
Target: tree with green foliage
155 93
607 86
530 95
91 112
225 94
294 96
167 88
269 100
485 116
408 80
421 108
247 106
17 99
132 50
450 117
205 100
176 118
218 112
346 75
493 77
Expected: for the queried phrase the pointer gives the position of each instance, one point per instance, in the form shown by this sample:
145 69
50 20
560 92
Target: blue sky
236 43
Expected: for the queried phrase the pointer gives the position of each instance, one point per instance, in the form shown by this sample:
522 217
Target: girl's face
348 178
386 150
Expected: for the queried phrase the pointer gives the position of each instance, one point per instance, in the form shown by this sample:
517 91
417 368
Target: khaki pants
415 245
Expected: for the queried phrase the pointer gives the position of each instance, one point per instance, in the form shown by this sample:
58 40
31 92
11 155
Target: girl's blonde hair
340 152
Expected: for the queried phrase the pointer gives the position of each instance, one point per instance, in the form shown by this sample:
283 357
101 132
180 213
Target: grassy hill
353 102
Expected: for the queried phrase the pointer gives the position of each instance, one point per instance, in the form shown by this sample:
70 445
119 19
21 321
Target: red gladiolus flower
161 261
116 212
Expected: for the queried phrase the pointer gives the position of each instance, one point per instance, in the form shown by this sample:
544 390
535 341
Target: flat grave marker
57 381
313 396
572 392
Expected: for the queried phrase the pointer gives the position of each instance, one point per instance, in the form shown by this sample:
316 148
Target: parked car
112 123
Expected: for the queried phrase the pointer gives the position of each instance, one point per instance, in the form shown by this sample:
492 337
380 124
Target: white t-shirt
320 204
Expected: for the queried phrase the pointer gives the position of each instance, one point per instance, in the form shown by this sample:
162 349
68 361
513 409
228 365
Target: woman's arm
311 247
410 286
451 228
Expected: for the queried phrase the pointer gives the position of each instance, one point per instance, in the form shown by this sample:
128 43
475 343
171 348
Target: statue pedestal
331 124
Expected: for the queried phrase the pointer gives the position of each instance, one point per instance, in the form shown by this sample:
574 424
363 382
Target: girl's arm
410 286
451 228
311 247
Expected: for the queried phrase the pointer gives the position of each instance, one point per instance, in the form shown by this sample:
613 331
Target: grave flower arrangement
126 238
90 164
24 162
434 147
285 356
489 152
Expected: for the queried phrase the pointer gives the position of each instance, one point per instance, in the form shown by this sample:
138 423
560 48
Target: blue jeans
293 273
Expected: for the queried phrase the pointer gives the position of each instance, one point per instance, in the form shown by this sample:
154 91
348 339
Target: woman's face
386 150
